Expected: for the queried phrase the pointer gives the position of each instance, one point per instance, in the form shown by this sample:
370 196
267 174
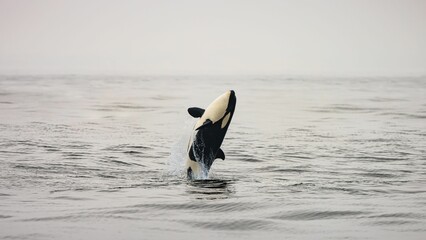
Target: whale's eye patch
225 120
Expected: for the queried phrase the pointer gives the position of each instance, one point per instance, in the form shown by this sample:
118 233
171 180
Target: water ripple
304 215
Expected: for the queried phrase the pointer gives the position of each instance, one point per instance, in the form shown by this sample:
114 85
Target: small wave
384 99
77 146
407 115
347 190
210 183
376 158
399 215
75 189
210 189
234 225
295 170
392 222
50 148
120 162
14 152
316 215
75 154
124 107
29 236
410 191
138 146
378 175
202 207
296 156
165 98
249 160
345 108
126 148
42 219
72 198
27 166
106 176
132 152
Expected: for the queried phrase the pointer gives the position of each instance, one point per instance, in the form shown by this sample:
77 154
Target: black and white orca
209 132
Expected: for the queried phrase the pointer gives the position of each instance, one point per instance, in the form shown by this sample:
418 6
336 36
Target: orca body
209 132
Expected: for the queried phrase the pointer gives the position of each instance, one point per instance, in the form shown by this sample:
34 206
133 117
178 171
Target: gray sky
335 37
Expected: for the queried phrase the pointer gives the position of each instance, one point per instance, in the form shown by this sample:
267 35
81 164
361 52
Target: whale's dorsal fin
220 154
196 112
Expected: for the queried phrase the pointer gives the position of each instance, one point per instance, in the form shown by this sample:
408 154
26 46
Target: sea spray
178 152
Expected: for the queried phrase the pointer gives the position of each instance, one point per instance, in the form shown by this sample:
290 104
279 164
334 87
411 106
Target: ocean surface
101 157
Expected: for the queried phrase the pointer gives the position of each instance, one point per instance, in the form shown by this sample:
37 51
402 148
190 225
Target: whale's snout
232 101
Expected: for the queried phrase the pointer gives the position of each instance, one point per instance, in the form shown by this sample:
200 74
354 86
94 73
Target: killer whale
209 132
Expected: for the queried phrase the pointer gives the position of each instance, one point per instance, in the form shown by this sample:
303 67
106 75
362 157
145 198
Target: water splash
203 159
178 153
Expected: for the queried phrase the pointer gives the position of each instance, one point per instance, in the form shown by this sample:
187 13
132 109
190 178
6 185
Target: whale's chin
200 173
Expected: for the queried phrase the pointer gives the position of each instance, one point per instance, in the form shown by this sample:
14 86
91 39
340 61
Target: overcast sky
335 37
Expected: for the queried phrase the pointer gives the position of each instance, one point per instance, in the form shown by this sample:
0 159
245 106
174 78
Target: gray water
101 157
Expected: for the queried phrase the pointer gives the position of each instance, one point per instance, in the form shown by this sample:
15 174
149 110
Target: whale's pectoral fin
220 154
207 123
196 112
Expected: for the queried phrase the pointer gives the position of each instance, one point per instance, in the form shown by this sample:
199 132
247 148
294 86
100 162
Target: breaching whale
208 135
